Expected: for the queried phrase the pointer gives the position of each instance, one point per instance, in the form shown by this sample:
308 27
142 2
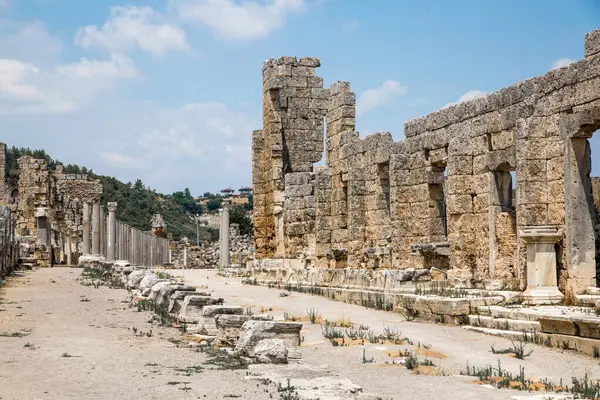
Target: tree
214 204
239 215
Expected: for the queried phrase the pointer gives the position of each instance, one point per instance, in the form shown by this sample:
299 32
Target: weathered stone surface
229 326
253 332
271 351
148 281
135 278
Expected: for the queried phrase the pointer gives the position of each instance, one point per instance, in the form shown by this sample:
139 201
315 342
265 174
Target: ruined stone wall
294 104
54 200
443 197
4 189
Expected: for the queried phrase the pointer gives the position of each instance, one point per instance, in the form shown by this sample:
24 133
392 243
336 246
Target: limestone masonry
443 199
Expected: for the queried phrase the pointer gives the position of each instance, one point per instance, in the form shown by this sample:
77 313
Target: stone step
521 314
587 299
504 323
512 335
593 290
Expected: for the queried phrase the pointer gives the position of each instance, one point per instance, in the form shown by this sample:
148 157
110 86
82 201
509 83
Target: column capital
112 206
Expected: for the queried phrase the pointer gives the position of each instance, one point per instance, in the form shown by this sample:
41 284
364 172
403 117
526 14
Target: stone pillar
96 229
112 231
542 283
86 229
580 213
68 248
224 240
43 226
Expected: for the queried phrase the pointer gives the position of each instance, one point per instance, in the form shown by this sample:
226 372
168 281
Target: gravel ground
107 360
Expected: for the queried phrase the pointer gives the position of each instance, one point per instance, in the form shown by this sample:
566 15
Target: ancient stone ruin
441 204
54 218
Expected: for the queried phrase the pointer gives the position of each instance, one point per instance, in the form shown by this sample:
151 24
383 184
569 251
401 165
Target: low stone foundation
412 292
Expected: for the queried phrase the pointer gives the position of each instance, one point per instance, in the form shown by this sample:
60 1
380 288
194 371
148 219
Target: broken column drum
542 284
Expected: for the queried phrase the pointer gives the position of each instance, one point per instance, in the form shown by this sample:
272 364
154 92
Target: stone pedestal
542 283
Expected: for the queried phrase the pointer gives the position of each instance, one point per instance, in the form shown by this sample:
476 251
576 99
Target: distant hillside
137 203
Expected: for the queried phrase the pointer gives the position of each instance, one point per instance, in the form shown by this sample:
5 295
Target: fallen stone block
163 297
207 322
149 280
135 278
177 297
271 351
192 307
253 332
229 326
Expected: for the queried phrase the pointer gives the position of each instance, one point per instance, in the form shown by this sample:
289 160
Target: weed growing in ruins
411 362
366 360
284 294
97 277
66 355
362 327
224 360
392 334
250 281
161 313
287 392
84 299
289 317
518 349
163 275
586 388
331 332
356 334
407 303
313 315
13 334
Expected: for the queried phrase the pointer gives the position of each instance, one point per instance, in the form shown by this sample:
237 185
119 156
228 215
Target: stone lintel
581 124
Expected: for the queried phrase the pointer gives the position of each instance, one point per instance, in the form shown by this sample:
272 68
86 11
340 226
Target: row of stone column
224 238
93 246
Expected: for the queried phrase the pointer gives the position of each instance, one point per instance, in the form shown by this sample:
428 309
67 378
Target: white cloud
375 98
28 42
243 21
26 89
470 95
562 62
134 27
350 25
121 160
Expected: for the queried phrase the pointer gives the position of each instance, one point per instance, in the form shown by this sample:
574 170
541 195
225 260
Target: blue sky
170 90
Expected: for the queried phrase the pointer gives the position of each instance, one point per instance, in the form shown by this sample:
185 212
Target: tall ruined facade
455 196
48 210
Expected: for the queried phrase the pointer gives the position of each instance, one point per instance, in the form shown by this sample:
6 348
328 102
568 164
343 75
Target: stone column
542 283
112 231
224 242
86 229
96 229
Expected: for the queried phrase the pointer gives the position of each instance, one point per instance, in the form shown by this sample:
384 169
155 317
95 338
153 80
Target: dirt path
78 343
76 349
458 345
